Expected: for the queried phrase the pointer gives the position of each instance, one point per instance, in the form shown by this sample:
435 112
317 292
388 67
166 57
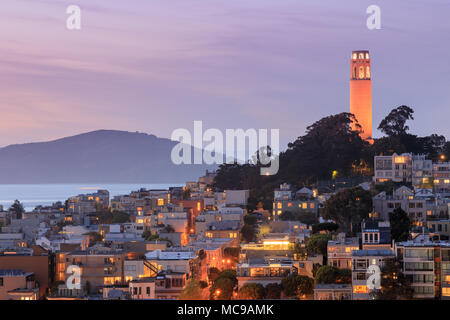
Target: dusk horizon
250 64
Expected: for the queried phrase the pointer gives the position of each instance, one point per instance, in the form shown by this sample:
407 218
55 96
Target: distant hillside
104 156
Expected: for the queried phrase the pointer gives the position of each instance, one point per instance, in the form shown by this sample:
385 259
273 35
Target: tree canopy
252 291
394 124
317 243
400 225
348 207
329 274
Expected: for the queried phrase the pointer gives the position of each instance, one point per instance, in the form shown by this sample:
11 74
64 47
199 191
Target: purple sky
157 65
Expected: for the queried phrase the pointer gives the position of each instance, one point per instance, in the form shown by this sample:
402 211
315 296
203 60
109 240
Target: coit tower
361 92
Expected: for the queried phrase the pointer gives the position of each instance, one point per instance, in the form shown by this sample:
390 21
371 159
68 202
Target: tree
168 229
224 285
17 209
194 290
248 233
329 274
273 291
305 286
394 284
326 226
252 291
304 217
250 219
394 123
348 207
213 274
317 243
400 225
296 285
290 284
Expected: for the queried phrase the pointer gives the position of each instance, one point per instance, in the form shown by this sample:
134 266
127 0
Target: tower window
361 55
361 72
367 55
367 72
354 56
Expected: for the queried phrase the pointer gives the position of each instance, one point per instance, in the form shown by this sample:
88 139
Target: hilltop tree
394 123
329 145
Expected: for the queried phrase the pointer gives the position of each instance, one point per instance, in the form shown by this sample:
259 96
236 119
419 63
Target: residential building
376 234
143 288
427 264
15 284
361 260
333 291
339 251
397 168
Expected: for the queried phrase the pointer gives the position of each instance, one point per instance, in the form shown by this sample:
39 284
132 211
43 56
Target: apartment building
440 226
143 288
376 234
427 264
404 198
397 168
15 284
441 176
34 260
88 203
302 201
339 251
181 261
361 260
333 291
265 270
100 266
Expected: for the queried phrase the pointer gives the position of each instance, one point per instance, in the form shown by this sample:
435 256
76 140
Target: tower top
360 55
360 65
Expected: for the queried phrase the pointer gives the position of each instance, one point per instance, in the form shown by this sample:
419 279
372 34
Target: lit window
160 202
279 205
367 72
446 292
361 72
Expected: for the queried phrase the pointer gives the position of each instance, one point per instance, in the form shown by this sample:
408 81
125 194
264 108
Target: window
446 292
367 72
361 72
1 282
148 290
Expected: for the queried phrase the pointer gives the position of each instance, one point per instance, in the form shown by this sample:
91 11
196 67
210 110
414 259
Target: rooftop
369 253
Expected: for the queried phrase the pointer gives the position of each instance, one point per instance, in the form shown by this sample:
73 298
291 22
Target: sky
157 65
